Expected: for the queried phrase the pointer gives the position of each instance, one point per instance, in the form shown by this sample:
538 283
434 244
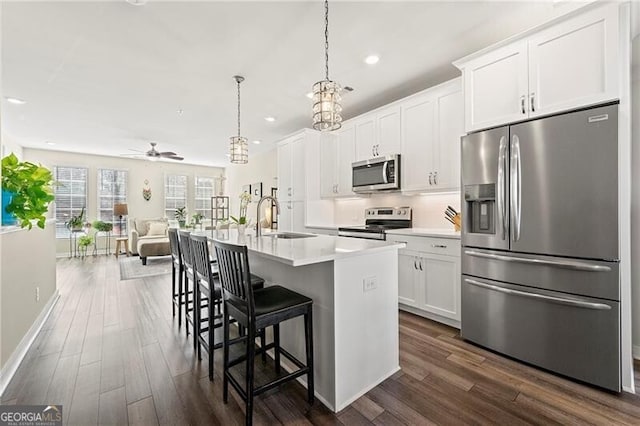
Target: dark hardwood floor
111 353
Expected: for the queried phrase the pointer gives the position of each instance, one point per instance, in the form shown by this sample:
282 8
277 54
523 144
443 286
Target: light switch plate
370 283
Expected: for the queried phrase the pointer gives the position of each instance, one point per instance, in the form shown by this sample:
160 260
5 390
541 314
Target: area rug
131 268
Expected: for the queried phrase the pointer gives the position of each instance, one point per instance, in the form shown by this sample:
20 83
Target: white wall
139 171
9 145
261 168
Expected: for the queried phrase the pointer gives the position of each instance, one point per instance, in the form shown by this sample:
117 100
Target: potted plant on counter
241 220
26 192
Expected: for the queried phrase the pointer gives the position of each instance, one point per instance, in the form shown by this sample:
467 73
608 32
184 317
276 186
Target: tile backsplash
428 210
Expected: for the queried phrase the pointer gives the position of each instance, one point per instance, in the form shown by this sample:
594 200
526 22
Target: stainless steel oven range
377 221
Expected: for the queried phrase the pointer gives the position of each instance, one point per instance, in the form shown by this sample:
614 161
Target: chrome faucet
266 197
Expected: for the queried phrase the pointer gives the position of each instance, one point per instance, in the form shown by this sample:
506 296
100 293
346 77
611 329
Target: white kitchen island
354 287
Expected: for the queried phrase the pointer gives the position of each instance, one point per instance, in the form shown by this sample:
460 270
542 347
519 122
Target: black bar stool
189 280
208 290
257 310
176 266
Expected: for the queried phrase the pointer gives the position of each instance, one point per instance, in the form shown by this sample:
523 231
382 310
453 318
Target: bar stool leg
225 355
276 349
180 293
186 301
173 287
211 339
263 345
308 334
251 347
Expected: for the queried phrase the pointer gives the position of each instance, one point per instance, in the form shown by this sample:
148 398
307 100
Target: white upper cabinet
291 168
570 63
432 124
378 133
574 63
337 152
496 87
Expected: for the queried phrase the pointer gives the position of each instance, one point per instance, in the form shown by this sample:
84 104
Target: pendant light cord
326 39
238 81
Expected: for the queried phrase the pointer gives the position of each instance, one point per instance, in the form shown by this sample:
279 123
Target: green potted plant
83 243
101 226
197 219
181 216
241 220
76 222
26 191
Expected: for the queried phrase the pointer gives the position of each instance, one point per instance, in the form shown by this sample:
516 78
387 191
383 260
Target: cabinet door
297 216
329 168
297 168
285 217
284 172
389 131
418 133
366 138
440 280
346 151
574 63
407 289
496 88
450 128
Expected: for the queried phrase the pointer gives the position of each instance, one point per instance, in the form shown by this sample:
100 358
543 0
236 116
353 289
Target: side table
122 241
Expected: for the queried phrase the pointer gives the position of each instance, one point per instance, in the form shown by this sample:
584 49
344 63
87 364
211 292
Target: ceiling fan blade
136 150
167 153
133 155
175 157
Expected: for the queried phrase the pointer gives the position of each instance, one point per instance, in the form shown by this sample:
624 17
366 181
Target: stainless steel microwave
377 174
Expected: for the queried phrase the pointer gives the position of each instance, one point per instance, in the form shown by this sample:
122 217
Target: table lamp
120 210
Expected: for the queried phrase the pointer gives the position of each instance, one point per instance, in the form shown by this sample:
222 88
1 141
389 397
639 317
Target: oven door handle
385 168
552 299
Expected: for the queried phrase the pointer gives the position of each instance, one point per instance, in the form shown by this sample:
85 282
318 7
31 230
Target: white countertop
303 251
426 232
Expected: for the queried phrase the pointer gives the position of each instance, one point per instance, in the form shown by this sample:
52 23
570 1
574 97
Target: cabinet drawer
442 246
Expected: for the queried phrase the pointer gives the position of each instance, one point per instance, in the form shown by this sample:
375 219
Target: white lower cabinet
429 277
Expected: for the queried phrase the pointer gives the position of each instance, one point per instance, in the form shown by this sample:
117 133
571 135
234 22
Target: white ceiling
104 77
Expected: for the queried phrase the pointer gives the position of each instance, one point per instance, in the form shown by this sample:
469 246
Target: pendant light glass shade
326 106
326 93
238 148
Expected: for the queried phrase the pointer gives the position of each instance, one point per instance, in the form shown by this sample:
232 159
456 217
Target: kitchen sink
289 235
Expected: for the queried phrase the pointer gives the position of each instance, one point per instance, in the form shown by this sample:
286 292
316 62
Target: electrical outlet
37 294
370 283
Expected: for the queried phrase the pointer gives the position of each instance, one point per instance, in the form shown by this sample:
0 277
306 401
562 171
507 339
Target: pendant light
326 93
239 149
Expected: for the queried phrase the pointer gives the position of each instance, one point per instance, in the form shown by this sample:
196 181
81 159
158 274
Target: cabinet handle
438 246
415 264
337 189
435 178
522 104
421 265
533 102
430 178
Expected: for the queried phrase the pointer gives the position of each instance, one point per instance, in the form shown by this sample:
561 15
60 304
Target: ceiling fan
154 154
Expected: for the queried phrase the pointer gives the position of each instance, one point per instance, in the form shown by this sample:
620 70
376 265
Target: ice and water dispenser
481 210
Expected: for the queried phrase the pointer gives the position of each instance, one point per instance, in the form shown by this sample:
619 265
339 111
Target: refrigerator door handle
516 186
567 264
559 300
502 207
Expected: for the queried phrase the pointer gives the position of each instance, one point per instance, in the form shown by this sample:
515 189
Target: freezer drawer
574 336
575 276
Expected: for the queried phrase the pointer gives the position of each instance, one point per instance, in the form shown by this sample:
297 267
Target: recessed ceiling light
257 142
50 143
310 95
371 59
137 2
270 119
15 101
180 111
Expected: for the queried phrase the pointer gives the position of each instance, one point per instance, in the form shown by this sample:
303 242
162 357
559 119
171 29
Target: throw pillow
157 228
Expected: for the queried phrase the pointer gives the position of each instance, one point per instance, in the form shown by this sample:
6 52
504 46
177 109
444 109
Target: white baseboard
12 364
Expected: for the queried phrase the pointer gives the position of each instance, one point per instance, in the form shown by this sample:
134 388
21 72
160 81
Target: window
71 196
204 191
175 194
112 189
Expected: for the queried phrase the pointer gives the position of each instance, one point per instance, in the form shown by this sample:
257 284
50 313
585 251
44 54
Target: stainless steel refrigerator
540 256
